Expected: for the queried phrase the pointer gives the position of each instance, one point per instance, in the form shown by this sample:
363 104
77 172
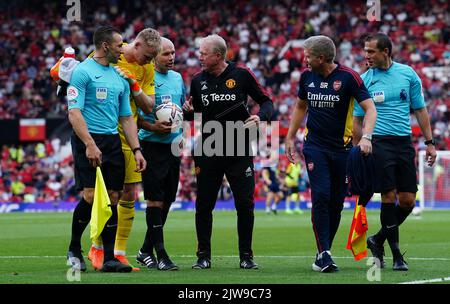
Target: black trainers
202 263
115 265
166 264
248 263
377 251
324 263
147 260
400 264
76 261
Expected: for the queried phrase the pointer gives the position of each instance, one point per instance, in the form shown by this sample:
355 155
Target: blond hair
151 37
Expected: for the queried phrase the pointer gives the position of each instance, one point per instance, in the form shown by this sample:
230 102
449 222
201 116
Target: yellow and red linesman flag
32 129
357 239
101 210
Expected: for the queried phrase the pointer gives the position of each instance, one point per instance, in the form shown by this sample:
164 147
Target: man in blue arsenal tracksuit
328 91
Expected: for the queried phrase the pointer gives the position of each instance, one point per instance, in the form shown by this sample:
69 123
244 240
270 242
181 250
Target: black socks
80 219
389 228
109 234
154 235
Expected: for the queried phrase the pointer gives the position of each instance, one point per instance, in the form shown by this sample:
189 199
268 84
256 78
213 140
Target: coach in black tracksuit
220 93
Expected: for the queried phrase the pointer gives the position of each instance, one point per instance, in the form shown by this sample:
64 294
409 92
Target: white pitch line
220 256
438 280
32 256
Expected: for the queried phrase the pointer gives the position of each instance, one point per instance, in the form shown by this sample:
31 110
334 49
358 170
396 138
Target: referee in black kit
220 93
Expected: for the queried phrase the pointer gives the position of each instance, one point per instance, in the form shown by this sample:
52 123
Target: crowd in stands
40 172
261 34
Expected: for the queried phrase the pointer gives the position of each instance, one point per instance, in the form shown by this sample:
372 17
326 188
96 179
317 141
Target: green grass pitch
33 248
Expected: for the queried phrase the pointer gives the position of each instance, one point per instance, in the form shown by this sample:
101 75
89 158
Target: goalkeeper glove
128 76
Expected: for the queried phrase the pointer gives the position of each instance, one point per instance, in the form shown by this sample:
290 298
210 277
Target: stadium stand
261 34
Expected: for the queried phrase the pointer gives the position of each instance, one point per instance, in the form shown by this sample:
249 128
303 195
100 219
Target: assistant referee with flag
396 89
98 98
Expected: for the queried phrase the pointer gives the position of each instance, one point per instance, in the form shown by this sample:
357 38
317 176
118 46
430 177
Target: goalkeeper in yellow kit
137 67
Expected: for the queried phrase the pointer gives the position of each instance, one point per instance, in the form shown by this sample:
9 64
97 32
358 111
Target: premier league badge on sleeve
403 95
72 93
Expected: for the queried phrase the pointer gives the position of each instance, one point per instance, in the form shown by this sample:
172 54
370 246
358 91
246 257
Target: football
170 112
417 211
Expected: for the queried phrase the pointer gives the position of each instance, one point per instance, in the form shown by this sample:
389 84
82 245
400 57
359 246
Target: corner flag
358 232
101 210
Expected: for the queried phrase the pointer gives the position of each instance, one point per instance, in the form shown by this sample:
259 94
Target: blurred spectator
18 187
36 179
225 191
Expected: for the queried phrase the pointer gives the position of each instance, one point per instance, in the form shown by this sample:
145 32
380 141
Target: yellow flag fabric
357 239
101 210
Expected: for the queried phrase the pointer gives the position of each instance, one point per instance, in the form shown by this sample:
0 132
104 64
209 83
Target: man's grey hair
151 37
321 45
218 44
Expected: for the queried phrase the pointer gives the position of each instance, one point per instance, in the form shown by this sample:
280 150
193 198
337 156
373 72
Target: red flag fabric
32 129
357 238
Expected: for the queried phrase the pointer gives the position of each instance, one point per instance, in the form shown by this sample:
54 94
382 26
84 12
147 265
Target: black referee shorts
160 178
395 163
113 162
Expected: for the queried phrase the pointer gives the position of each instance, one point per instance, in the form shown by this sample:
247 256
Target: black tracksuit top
217 97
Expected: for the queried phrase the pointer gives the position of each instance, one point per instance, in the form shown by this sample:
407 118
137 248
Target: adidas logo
162 264
204 87
148 259
311 85
248 172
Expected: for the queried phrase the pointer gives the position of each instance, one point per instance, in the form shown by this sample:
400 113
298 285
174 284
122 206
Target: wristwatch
135 149
430 142
367 136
